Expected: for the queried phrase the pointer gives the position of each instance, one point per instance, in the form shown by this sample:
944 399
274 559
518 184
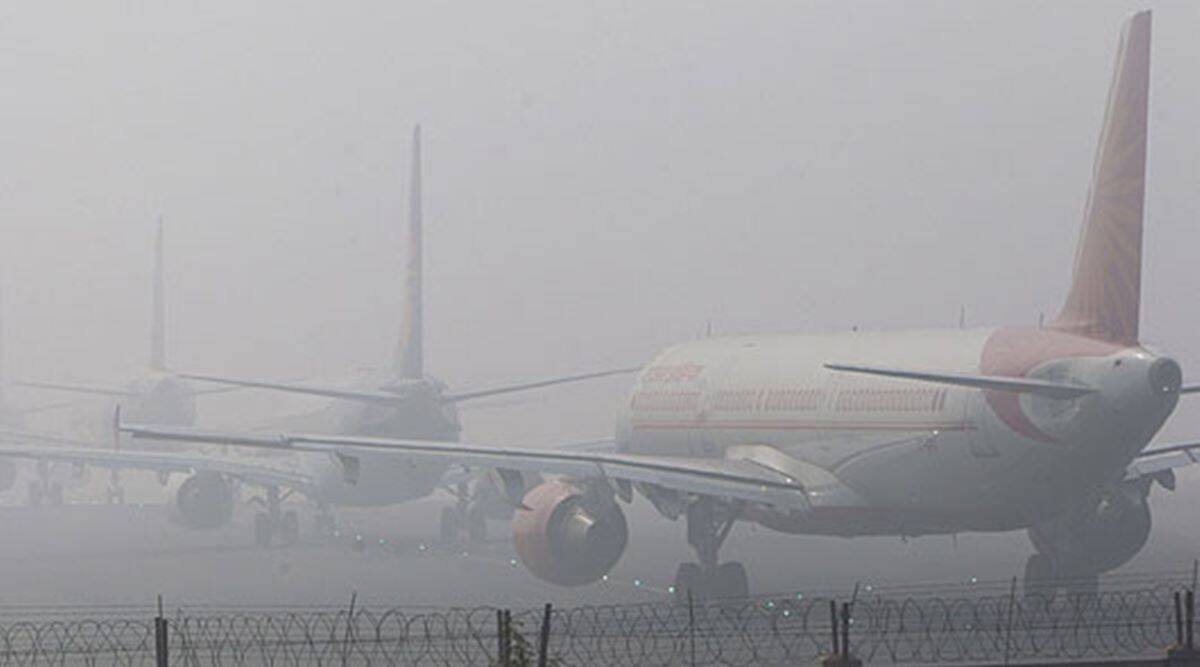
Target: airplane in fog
401 401
874 433
155 393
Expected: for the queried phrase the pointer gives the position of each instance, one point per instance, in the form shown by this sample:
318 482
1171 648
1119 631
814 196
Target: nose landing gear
710 579
464 514
274 521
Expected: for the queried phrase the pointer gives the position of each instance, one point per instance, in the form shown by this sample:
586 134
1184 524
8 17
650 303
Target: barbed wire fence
983 622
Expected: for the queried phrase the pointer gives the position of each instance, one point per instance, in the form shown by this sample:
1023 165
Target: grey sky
601 178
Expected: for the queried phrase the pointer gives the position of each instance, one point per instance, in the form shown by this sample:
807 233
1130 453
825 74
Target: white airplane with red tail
910 433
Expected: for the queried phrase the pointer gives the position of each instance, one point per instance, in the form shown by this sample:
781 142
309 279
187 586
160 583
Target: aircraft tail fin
409 362
158 314
1103 301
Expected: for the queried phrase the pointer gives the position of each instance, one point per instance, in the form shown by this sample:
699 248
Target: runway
92 554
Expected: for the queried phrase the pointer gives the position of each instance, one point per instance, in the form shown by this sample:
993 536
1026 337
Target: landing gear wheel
476 526
262 529
689 579
289 528
115 495
1039 578
450 524
54 494
326 526
729 582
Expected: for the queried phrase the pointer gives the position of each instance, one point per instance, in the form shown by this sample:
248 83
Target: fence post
349 629
1178 619
506 654
544 644
499 637
692 627
1190 606
846 629
161 658
833 619
1012 603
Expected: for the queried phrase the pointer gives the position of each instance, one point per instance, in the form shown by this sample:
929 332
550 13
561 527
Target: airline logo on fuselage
672 373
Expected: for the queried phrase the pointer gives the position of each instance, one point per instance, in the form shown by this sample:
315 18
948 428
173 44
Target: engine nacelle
8 474
568 536
1102 537
204 500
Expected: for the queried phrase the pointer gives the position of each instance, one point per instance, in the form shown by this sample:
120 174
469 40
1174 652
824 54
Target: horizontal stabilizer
993 382
77 388
510 389
398 394
1189 389
362 396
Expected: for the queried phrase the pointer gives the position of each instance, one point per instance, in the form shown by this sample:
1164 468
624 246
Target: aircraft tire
289 528
326 526
54 494
450 524
262 529
689 578
729 582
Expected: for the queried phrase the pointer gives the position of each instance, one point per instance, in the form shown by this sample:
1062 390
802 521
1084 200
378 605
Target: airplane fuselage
384 479
917 457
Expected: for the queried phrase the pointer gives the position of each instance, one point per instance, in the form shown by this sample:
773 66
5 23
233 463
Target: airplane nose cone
1165 376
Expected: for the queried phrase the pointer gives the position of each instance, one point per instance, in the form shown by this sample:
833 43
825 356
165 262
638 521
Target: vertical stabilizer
158 315
1106 286
410 356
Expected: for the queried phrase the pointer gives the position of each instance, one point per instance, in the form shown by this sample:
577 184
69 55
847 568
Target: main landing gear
324 521
463 515
272 521
707 528
1045 576
115 493
44 490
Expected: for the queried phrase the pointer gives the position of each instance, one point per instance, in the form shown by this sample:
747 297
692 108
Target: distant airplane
400 402
911 433
155 393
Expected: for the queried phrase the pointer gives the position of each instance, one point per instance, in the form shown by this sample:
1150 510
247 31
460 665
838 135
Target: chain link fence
954 625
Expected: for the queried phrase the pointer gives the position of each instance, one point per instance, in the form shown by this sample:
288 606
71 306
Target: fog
600 180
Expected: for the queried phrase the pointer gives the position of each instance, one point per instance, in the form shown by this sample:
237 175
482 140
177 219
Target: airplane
155 393
908 433
401 401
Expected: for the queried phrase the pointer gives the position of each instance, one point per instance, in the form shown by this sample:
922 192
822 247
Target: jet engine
8 474
568 536
204 500
1102 535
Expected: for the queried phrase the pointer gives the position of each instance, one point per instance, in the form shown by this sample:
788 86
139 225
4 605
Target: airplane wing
164 462
1189 389
94 390
738 480
993 382
1163 459
391 398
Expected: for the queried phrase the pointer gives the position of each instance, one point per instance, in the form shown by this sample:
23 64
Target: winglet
1105 293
